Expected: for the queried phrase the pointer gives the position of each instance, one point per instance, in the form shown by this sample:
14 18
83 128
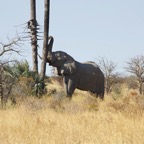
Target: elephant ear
68 68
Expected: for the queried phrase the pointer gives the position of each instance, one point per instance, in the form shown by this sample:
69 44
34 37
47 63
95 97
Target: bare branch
12 46
108 67
135 66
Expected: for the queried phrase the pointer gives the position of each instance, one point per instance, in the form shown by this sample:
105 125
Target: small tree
135 66
6 79
108 67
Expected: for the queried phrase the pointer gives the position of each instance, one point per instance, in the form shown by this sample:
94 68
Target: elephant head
64 63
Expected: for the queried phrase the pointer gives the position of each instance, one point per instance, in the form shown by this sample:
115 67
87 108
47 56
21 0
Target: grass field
83 120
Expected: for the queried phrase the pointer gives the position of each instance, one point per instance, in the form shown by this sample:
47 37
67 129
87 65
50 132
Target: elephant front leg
69 86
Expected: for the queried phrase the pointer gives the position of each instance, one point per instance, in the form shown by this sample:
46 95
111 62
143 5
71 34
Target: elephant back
90 67
91 63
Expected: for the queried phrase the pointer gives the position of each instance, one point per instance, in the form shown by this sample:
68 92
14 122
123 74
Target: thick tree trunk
46 35
33 29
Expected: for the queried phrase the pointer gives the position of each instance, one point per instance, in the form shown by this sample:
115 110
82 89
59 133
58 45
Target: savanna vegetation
84 119
49 117
34 109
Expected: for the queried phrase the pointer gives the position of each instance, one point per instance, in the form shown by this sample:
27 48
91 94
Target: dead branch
135 66
12 46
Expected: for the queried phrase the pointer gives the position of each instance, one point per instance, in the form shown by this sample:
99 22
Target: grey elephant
84 76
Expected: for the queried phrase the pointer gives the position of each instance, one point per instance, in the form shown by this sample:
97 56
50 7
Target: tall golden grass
119 119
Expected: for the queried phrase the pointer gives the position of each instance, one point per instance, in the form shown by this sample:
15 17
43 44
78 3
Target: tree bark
46 35
33 29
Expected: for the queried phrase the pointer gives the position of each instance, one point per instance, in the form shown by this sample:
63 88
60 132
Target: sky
87 30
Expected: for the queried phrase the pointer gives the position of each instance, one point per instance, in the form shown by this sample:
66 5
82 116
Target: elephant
85 76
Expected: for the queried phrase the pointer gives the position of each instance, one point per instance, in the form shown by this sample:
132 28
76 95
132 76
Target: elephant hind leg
101 96
100 91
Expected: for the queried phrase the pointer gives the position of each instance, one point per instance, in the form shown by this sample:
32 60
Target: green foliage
17 69
19 82
39 87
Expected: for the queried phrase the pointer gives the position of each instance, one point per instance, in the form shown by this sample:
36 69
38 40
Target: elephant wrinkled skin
84 76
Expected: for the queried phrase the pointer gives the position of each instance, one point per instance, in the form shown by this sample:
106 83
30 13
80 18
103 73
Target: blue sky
85 29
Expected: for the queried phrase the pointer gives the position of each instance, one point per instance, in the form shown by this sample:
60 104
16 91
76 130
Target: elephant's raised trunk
50 43
49 47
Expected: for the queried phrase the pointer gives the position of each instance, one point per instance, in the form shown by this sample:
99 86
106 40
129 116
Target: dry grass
83 120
